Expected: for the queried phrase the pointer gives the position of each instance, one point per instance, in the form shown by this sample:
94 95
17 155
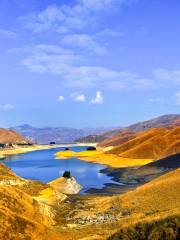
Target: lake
42 165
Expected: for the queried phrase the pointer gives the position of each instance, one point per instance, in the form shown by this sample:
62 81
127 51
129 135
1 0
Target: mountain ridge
44 135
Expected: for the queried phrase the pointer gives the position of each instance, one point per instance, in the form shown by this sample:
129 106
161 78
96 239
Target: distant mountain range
104 135
55 134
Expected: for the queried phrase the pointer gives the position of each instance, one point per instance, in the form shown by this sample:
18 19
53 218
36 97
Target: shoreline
37 147
100 157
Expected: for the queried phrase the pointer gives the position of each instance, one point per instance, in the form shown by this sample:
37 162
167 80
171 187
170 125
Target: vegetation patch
165 229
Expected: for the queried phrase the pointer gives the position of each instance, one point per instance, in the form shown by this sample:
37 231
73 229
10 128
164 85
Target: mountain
162 121
153 144
10 136
55 134
116 137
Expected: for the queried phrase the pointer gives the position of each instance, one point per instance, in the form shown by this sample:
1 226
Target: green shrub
165 229
91 149
67 174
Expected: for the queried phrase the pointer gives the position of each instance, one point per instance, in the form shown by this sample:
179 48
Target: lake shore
20 150
103 158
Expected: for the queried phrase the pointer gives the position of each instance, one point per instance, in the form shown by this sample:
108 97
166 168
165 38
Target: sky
88 63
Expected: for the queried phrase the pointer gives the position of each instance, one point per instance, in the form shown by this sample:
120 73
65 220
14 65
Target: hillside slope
154 210
10 136
154 143
114 138
158 200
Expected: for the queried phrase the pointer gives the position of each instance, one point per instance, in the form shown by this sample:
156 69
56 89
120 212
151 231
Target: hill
22 216
155 211
46 135
116 136
154 143
11 137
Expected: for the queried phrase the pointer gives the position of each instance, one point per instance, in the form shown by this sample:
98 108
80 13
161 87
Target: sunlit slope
117 139
153 144
157 202
9 136
118 136
161 194
27 208
21 217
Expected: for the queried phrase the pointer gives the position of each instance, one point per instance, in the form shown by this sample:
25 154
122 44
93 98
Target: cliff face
11 137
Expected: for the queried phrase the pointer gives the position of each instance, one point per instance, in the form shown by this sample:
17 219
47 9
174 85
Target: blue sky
88 63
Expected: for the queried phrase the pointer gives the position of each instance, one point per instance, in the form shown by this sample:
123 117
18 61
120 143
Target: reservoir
42 166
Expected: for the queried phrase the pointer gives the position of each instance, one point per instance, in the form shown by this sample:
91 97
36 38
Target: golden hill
27 208
21 216
123 136
9 136
161 195
135 149
154 143
154 204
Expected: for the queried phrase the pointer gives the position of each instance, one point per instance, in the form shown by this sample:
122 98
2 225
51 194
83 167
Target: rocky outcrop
66 185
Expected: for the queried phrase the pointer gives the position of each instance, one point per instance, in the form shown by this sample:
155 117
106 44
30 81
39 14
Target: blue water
42 165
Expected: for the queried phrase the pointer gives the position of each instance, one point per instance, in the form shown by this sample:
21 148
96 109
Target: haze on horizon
88 62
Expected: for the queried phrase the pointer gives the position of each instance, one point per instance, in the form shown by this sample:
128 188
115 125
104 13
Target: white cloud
7 107
83 41
61 98
79 98
178 98
7 33
53 59
98 99
50 59
65 18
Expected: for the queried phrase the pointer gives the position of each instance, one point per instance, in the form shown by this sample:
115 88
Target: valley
109 190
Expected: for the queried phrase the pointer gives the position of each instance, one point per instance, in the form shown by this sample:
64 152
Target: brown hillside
121 137
155 210
153 143
9 136
161 193
21 216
